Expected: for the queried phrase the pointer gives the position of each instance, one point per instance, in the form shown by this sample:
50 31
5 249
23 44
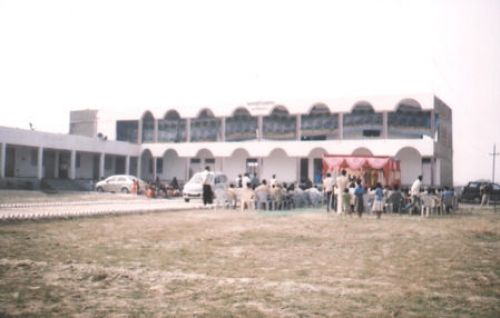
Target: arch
239 151
241 126
362 151
241 112
147 115
319 109
204 153
173 165
362 107
280 163
317 152
205 113
172 115
408 104
279 110
146 168
148 127
411 164
280 124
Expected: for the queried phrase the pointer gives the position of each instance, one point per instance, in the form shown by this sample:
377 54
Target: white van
193 189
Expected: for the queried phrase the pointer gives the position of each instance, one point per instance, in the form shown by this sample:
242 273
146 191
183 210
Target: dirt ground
299 263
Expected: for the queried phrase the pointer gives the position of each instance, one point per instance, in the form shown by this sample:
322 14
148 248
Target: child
378 201
346 201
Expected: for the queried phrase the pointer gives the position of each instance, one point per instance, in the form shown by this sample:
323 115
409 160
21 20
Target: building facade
288 139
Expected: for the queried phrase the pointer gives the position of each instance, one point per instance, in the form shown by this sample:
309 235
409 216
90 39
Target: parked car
193 189
119 183
471 192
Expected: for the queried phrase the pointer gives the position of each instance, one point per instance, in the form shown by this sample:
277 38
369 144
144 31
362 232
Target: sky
57 56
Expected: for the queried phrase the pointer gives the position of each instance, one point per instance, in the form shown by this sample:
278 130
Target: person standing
484 190
206 178
378 201
327 189
341 182
359 191
415 193
274 181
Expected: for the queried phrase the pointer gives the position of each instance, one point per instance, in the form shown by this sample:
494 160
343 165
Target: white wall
86 166
173 166
235 164
23 166
411 165
280 164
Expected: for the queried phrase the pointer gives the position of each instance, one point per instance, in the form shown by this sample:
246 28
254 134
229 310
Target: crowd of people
343 194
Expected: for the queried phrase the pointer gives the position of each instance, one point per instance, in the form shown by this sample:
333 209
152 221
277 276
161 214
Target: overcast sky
56 56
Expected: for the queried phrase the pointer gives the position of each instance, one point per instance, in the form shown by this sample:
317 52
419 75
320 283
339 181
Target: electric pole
494 154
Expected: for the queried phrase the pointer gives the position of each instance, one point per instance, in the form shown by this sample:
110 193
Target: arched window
319 124
362 122
172 128
241 126
206 127
409 120
148 127
279 125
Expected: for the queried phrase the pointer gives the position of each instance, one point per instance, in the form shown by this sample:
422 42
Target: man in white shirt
246 180
207 178
415 193
327 189
342 182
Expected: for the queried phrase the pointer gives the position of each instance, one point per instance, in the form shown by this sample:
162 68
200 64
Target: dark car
471 192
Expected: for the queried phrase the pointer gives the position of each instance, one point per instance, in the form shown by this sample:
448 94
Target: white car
193 189
119 183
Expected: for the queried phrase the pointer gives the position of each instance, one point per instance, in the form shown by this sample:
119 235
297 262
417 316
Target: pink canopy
361 165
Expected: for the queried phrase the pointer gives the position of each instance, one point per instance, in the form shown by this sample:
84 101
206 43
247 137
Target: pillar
298 131
154 159
260 128
385 125
188 166
127 164
40 163
139 132
72 165
433 125
188 130
139 164
102 158
223 129
155 131
3 154
56 163
341 126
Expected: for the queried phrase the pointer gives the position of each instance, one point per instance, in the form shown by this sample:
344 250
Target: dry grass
225 263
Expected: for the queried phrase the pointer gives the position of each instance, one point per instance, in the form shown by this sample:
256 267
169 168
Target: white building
287 138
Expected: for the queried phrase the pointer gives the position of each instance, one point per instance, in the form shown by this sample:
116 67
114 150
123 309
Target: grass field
256 264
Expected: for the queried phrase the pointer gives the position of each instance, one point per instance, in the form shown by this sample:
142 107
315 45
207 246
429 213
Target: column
385 125
188 166
154 167
127 164
188 130
40 163
341 126
297 169
139 132
298 132
3 155
433 125
72 165
260 127
139 164
155 131
223 129
102 158
57 156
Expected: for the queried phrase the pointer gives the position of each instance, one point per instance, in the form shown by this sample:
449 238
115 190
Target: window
34 157
210 161
159 165
78 160
195 160
108 163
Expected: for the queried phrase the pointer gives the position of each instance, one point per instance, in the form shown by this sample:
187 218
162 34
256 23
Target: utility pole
494 154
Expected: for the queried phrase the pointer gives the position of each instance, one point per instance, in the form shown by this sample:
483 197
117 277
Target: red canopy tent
371 169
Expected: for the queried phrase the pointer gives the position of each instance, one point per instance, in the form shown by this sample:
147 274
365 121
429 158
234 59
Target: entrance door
304 169
10 164
252 166
95 166
49 163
